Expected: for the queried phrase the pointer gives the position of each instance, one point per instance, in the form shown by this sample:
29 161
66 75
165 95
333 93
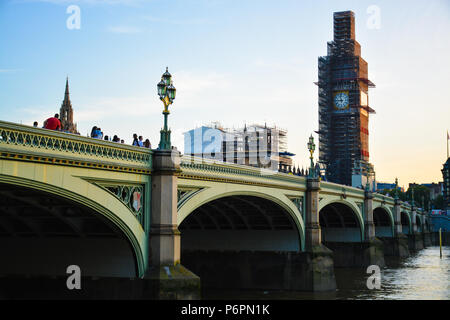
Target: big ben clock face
341 100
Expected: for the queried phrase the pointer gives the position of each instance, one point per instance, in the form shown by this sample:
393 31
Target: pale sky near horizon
249 61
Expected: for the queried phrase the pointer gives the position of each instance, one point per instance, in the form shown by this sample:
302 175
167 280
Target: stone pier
167 277
398 245
320 258
372 248
427 240
415 239
268 270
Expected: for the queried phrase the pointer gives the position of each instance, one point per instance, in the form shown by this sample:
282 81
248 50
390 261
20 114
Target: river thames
422 276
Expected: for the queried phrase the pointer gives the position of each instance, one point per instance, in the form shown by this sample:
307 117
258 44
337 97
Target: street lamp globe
161 89
166 92
171 92
311 145
311 148
166 77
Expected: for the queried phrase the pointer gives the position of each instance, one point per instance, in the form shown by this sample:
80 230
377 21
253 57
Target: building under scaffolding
344 107
255 145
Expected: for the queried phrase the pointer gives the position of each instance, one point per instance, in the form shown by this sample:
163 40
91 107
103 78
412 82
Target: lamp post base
164 143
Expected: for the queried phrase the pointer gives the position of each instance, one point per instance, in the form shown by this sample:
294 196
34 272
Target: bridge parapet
383 199
331 188
208 169
25 143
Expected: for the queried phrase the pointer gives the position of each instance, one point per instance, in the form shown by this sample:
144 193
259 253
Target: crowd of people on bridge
53 123
97 133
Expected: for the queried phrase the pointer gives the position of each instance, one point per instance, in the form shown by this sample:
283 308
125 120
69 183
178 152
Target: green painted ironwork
298 201
133 196
211 166
19 140
361 208
184 194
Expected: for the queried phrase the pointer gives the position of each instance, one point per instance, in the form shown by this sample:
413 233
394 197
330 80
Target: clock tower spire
66 113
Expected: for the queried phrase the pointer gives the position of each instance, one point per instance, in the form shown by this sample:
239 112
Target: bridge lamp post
367 180
311 148
370 179
166 92
396 189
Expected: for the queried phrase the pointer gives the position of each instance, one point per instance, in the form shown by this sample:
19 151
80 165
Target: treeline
421 197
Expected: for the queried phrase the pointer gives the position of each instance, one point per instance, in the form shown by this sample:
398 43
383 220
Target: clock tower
344 107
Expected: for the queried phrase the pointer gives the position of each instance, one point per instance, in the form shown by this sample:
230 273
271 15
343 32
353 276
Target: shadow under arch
406 222
53 228
240 223
209 195
242 242
384 223
340 223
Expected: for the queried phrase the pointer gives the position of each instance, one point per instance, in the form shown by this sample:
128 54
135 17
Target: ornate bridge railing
207 169
25 143
383 199
387 200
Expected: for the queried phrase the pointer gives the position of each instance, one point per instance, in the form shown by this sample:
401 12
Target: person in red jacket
53 123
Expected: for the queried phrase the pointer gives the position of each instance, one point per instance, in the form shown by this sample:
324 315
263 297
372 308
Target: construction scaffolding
344 129
253 145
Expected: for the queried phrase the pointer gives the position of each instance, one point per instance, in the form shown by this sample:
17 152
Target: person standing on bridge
53 123
135 140
96 133
93 131
99 133
141 142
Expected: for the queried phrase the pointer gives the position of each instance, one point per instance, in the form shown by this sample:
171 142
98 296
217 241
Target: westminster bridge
169 222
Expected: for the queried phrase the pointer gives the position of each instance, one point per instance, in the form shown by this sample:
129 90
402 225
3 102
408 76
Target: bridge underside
42 234
243 242
383 224
240 223
405 223
342 233
338 223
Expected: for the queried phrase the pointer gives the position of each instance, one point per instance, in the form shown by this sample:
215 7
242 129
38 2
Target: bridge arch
406 222
94 222
241 238
335 216
384 222
275 197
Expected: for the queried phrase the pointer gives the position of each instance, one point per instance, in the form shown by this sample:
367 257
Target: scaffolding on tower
343 133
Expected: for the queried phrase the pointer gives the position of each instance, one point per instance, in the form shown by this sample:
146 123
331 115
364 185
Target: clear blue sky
234 62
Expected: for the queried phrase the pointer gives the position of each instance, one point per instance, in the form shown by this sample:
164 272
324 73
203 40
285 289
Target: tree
438 203
391 193
420 193
421 196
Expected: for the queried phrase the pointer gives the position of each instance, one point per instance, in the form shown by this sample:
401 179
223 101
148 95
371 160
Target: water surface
422 276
